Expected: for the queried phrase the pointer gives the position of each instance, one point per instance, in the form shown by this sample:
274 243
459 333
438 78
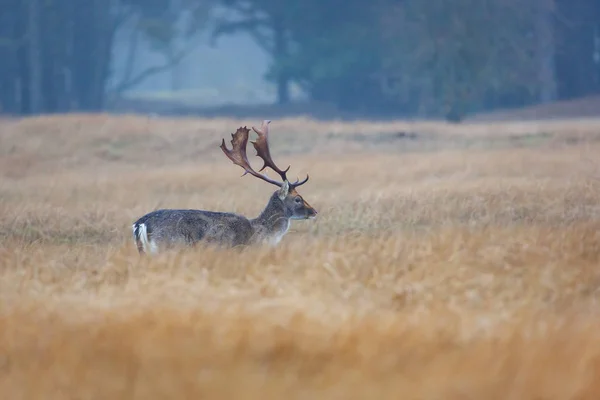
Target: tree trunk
283 89
575 64
91 47
596 55
280 54
546 52
11 31
105 32
35 60
53 39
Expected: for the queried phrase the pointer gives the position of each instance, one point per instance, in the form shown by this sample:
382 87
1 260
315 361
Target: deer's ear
283 191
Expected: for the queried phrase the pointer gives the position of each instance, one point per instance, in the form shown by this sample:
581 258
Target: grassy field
447 262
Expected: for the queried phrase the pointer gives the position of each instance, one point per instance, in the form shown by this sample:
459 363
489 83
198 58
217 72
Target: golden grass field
463 263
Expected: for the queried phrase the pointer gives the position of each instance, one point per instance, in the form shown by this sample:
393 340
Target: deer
165 229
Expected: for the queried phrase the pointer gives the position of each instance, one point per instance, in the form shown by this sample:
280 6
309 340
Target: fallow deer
166 228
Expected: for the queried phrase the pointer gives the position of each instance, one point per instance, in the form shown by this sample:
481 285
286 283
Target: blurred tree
337 51
170 26
329 48
546 49
408 56
578 30
450 57
86 32
405 57
34 53
56 54
13 42
267 22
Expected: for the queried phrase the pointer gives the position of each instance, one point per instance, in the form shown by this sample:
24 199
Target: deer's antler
237 154
262 150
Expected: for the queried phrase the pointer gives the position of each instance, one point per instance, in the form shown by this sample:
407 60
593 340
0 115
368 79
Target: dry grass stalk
436 268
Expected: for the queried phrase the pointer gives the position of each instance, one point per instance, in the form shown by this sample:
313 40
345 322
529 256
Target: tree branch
122 16
148 72
127 84
224 27
262 40
131 53
250 25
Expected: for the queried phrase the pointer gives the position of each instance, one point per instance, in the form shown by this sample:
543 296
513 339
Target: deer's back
166 228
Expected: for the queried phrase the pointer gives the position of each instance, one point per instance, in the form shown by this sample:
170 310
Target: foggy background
432 59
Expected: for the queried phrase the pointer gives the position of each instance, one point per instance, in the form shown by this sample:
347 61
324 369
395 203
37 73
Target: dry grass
460 263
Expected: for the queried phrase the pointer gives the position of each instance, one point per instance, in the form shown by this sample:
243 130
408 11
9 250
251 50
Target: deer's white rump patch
140 235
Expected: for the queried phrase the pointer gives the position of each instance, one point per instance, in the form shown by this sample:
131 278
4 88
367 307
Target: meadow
446 262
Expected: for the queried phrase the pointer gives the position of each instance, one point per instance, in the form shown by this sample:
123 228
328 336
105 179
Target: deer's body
164 229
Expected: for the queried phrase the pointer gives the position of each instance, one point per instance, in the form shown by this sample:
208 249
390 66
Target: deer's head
295 206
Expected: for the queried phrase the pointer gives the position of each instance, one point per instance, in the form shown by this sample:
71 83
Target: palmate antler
238 155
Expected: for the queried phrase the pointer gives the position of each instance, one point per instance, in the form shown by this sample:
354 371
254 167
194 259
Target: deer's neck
272 223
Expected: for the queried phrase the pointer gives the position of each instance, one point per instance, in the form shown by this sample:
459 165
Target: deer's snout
310 212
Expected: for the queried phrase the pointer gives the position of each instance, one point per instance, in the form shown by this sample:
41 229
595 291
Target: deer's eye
298 200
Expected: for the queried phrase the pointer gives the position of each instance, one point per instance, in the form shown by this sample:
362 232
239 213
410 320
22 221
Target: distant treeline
397 57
